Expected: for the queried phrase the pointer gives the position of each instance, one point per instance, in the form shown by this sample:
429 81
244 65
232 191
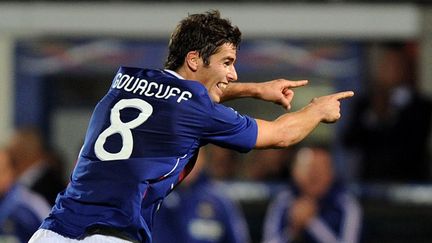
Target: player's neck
186 73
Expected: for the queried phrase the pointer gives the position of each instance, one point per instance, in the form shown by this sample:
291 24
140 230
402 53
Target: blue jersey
143 138
200 213
21 213
338 219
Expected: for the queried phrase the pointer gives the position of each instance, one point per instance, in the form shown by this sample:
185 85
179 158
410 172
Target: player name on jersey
140 86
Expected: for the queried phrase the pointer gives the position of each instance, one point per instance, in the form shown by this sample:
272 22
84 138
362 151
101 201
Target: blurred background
57 59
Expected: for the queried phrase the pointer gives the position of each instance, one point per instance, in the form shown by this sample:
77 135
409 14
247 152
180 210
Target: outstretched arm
291 128
278 91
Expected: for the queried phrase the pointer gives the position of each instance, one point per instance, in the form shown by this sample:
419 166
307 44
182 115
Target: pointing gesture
328 107
292 127
343 95
279 91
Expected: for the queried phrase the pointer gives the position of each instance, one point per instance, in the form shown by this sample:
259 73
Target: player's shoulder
159 83
159 75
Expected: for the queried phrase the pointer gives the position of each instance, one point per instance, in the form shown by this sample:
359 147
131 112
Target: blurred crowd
31 175
387 136
389 132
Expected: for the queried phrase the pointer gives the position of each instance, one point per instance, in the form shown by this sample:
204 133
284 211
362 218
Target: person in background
37 167
198 212
390 129
21 211
314 208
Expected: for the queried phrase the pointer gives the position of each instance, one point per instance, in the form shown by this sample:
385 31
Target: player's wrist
313 110
257 91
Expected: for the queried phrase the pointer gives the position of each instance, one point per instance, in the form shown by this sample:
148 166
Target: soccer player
144 135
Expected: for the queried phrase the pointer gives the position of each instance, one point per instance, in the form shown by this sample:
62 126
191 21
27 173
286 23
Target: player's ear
192 60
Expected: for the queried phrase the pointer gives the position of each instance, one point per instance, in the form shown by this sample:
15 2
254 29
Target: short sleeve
227 128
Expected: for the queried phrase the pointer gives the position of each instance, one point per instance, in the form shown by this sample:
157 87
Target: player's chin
215 97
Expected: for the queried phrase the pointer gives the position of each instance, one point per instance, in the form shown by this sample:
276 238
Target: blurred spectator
390 128
197 212
38 169
314 208
21 211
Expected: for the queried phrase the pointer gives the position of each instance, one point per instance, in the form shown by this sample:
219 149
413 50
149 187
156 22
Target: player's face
219 72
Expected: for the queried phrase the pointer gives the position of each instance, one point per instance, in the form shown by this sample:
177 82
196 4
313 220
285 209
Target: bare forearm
240 90
278 91
296 126
291 128
288 129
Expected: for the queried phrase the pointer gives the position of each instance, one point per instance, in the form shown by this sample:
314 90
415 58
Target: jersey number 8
124 129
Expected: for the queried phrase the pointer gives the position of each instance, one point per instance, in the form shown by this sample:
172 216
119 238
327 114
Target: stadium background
57 59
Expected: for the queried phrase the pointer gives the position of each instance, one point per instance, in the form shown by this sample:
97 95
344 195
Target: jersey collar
174 73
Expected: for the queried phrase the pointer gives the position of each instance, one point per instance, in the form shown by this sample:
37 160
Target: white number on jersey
124 129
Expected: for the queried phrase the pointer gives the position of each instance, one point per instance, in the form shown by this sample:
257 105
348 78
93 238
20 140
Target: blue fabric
331 211
141 136
19 218
199 213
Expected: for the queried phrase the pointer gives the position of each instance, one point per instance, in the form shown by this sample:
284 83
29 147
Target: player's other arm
291 128
278 91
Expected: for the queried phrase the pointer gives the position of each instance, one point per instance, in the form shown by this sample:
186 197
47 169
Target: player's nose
232 74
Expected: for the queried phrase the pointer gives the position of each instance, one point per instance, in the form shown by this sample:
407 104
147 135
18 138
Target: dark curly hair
204 33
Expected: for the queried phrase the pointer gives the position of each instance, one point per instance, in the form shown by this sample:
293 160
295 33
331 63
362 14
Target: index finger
295 84
343 95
